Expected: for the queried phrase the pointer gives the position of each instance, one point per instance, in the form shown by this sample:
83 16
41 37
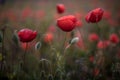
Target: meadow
59 40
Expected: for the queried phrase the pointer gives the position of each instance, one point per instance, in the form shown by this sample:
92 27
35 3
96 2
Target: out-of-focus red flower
67 23
118 54
94 16
112 22
103 44
51 29
93 37
26 12
27 35
91 58
48 37
11 15
78 15
107 15
114 38
80 43
56 16
78 23
2 15
96 71
60 8
25 46
39 14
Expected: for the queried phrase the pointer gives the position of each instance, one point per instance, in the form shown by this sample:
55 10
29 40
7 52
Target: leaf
37 45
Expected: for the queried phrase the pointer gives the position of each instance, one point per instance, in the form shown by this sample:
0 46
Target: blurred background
41 15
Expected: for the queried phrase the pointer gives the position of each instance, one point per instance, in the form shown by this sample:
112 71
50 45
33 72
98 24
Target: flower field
59 40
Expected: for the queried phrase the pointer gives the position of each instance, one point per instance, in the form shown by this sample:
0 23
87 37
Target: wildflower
26 12
93 37
67 23
96 71
28 46
94 16
114 38
79 23
48 37
27 35
60 8
91 58
51 29
102 44
39 14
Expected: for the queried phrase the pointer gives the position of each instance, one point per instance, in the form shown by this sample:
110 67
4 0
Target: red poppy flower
67 23
91 58
48 37
102 44
96 72
26 12
11 15
28 46
60 8
93 37
39 14
27 35
51 29
107 15
94 16
79 23
114 38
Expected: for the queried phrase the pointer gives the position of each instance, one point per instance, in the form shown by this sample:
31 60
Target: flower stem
101 34
82 38
3 54
62 47
24 55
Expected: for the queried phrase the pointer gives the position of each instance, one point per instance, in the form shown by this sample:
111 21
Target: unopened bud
74 40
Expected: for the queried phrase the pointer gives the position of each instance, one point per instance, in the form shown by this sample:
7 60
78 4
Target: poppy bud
74 40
